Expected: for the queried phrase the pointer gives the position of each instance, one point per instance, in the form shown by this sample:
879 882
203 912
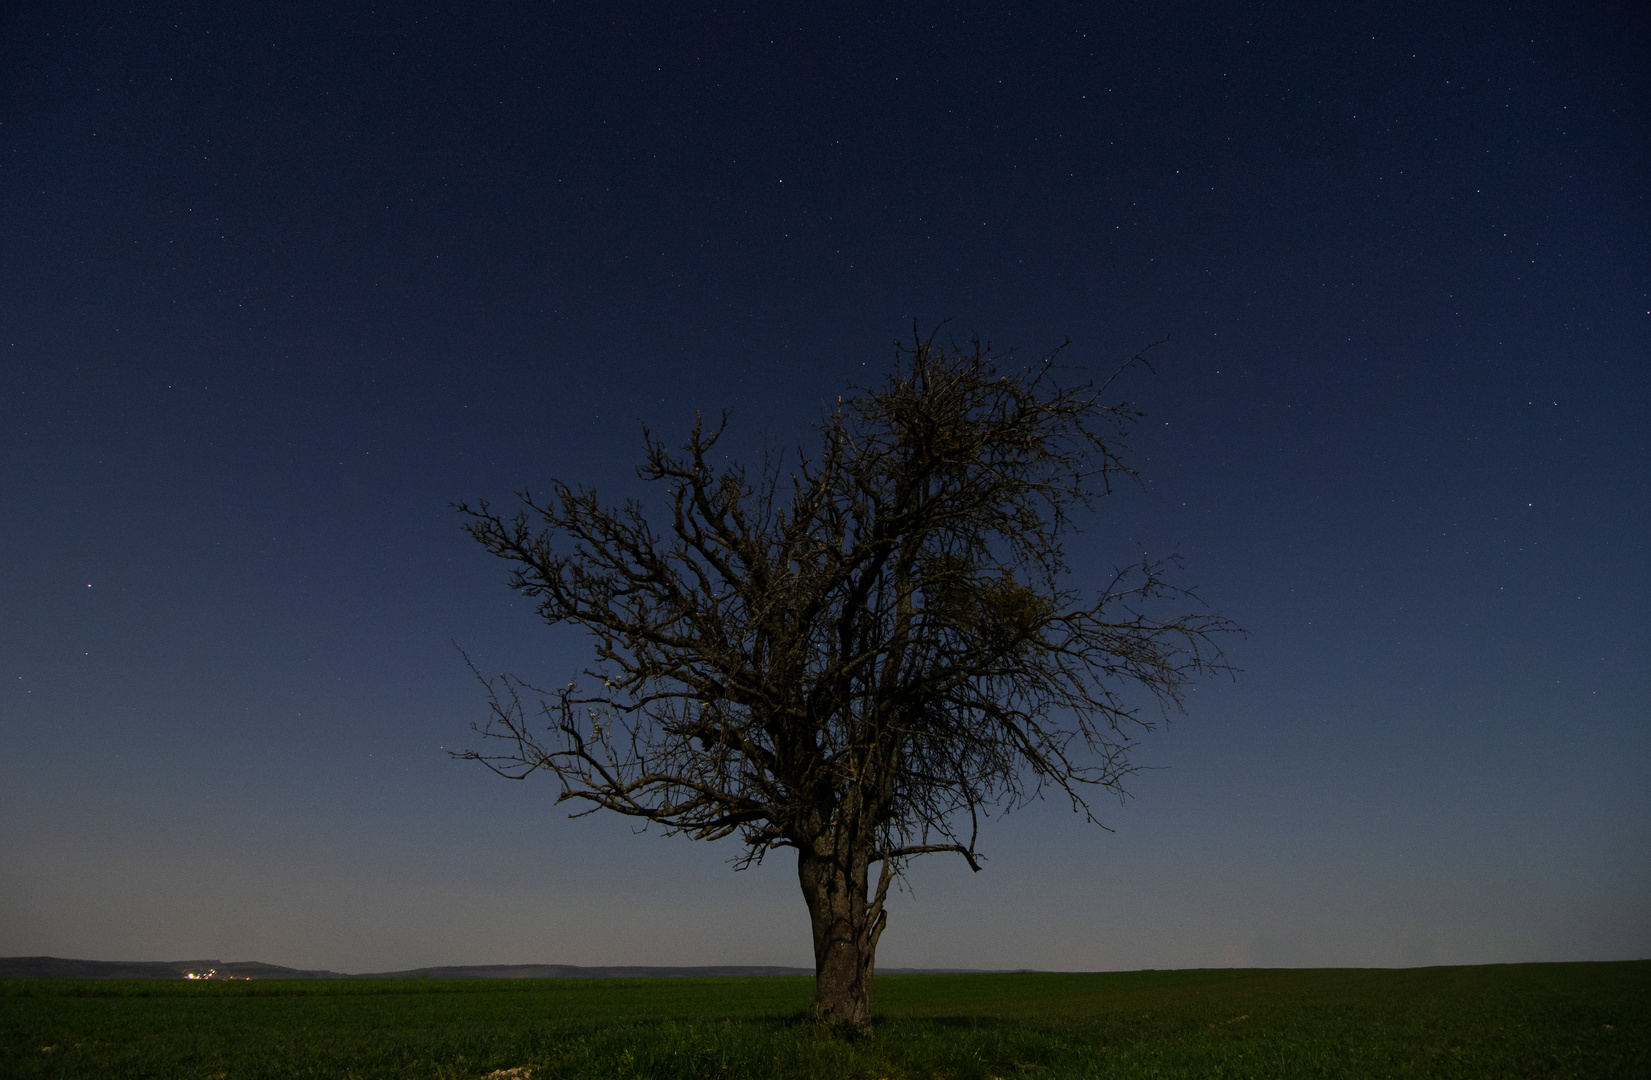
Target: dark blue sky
279 283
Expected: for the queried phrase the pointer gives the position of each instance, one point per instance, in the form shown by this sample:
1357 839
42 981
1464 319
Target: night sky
280 283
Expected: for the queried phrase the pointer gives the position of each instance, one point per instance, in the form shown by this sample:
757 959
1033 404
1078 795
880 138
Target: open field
1534 1020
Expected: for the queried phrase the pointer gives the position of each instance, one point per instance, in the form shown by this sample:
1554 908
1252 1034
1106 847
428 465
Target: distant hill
569 971
51 967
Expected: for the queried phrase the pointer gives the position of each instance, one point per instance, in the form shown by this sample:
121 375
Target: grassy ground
1538 1020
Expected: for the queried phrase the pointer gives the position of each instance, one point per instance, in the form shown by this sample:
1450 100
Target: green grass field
1533 1020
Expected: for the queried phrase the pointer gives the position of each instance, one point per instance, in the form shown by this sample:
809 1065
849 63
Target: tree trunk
844 941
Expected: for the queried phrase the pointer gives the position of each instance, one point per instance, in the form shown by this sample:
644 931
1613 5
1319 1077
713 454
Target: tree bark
845 942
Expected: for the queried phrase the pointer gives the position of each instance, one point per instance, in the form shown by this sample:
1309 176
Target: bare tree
856 657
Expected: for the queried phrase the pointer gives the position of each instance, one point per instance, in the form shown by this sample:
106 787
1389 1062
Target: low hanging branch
858 657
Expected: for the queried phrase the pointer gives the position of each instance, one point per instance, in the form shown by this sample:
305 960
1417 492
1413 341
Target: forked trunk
845 940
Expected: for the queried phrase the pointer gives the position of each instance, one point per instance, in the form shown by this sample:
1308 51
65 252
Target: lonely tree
856 654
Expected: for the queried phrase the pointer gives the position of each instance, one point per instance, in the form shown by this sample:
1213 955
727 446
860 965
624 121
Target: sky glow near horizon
277 287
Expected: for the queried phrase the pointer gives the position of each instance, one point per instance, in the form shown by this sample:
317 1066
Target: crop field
1533 1020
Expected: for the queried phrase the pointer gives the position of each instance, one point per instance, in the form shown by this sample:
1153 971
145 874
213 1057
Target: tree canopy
855 651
